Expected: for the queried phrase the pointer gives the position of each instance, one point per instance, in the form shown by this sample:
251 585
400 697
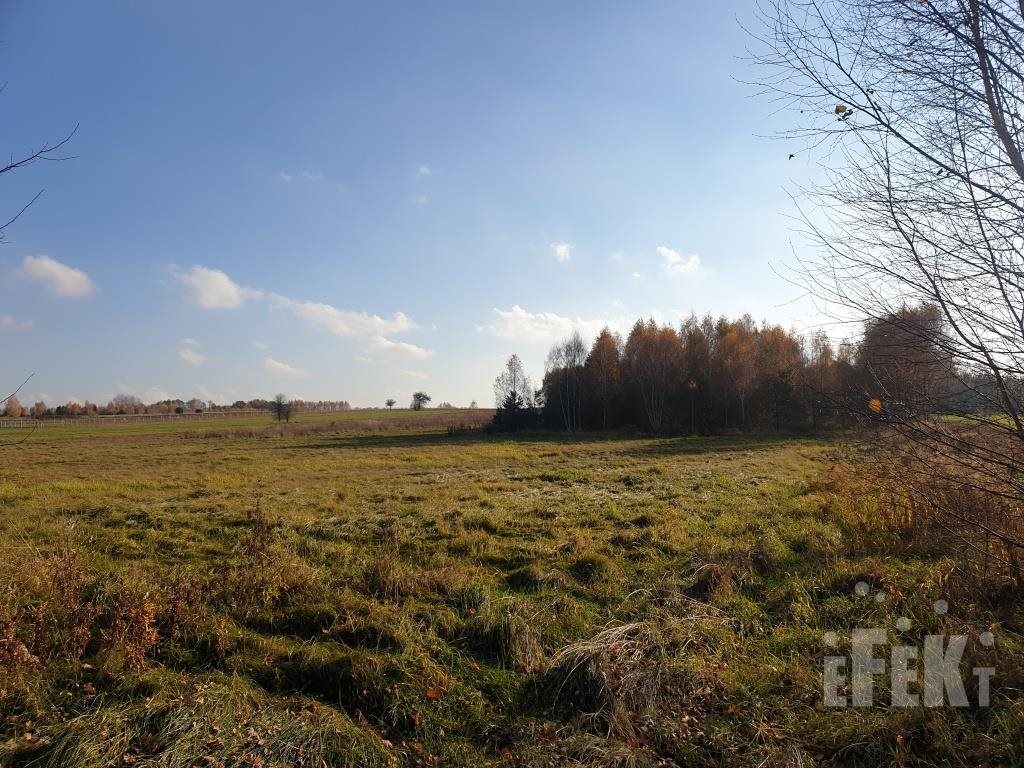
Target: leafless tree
281 407
566 360
513 396
513 383
419 401
916 109
390 403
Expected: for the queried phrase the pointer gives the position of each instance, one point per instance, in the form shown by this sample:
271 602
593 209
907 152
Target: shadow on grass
681 446
430 439
632 442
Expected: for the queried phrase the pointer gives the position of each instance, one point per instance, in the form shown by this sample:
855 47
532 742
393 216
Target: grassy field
383 592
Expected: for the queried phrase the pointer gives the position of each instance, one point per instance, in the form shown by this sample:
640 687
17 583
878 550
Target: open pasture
331 594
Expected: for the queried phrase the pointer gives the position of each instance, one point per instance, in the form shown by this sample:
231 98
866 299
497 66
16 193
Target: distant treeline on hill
712 375
129 405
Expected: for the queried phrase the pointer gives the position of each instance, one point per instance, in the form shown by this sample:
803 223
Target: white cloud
216 398
188 342
8 323
343 322
278 368
152 395
191 357
155 395
260 345
676 265
371 329
424 170
637 276
518 324
401 349
289 178
213 289
59 279
562 251
419 199
415 374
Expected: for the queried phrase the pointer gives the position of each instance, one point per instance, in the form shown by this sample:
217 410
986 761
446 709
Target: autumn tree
779 366
821 378
697 338
13 408
737 359
602 375
651 358
125 404
903 364
39 409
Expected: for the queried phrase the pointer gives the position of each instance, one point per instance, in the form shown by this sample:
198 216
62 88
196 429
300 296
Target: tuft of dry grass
610 679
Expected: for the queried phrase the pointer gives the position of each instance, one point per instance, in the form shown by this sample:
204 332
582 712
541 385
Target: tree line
711 375
130 405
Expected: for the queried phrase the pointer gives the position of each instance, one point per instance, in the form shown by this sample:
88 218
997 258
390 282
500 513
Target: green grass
389 594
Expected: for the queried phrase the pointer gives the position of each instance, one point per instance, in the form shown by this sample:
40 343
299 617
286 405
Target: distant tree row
121 405
711 375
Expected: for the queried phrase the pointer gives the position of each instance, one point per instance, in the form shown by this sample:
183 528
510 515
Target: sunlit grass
407 597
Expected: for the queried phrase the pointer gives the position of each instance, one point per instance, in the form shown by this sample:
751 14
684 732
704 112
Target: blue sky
356 201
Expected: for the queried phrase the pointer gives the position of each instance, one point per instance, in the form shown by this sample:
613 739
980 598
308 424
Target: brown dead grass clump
65 608
711 580
387 578
611 677
505 631
132 633
640 682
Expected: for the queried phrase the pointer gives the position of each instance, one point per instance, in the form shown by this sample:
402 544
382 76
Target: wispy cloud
212 288
373 330
59 279
211 397
260 345
153 394
415 374
562 251
424 170
291 178
541 327
420 199
190 356
8 323
276 367
676 265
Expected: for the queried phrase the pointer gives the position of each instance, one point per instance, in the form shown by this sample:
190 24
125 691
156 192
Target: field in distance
376 589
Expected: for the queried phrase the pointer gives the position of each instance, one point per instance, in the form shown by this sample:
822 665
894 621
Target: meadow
398 590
